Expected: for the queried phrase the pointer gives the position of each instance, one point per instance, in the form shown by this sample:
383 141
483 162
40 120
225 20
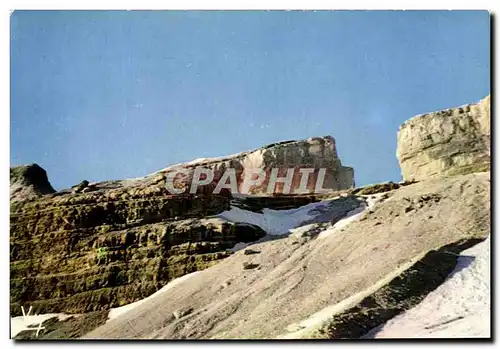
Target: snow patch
303 229
239 246
352 216
315 321
19 323
459 308
276 222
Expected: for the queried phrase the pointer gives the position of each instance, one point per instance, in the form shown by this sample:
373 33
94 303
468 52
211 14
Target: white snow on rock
316 320
279 222
352 216
20 323
276 222
115 312
197 161
459 308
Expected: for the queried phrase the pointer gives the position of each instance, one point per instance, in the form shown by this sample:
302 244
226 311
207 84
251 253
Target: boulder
28 182
80 186
448 142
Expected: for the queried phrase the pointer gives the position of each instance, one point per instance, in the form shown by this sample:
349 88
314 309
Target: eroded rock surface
28 182
451 141
80 252
101 245
301 283
315 153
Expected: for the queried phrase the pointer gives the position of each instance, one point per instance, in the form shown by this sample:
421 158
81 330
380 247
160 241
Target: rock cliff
28 182
346 261
313 153
340 282
101 245
451 141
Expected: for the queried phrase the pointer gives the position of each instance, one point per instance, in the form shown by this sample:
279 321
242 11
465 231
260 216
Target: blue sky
119 94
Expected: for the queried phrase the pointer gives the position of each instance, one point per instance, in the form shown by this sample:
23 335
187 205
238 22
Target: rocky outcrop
100 245
28 182
344 281
399 295
447 142
314 153
77 252
71 327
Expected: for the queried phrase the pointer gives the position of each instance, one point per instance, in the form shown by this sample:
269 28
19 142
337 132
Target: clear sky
113 95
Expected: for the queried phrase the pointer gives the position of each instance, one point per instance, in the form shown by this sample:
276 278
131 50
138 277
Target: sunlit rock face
313 153
116 243
100 245
28 182
448 142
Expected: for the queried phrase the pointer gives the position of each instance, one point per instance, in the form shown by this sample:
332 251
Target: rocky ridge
92 251
450 141
338 283
314 153
101 245
28 182
364 256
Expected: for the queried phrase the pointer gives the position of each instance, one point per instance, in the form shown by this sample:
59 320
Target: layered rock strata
448 142
81 252
100 245
313 153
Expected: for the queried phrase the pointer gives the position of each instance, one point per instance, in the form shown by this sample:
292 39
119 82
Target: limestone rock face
313 153
77 252
451 141
337 285
100 245
28 182
106 244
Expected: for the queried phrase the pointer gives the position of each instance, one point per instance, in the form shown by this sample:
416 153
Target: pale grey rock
315 152
300 285
448 142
